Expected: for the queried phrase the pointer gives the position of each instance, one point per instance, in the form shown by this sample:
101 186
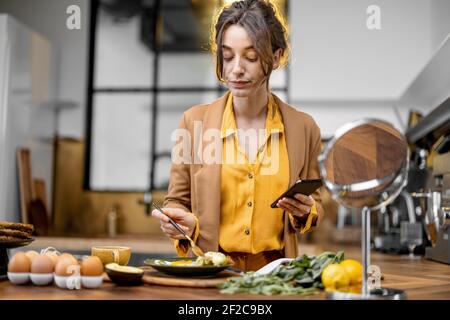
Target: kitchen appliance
428 135
441 250
411 235
436 210
387 237
425 195
432 134
365 166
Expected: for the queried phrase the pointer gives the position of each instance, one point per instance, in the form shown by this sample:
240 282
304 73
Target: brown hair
264 25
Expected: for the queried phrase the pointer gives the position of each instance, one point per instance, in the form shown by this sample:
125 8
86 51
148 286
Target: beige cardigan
196 187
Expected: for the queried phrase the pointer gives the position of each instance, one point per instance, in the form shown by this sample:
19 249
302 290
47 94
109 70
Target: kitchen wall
48 17
343 69
26 118
82 213
440 21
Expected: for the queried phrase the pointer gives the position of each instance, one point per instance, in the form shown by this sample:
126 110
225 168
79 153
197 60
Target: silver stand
366 293
365 248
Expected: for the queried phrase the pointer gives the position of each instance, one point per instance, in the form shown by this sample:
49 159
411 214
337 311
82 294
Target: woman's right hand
183 218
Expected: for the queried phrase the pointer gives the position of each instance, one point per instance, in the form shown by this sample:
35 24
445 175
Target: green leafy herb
300 276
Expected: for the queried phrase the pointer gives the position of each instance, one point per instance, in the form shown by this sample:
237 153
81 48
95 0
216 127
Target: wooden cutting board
25 182
158 278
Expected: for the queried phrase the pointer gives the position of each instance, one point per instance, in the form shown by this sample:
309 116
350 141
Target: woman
264 146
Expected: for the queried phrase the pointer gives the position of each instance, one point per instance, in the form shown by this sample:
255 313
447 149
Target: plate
185 271
9 244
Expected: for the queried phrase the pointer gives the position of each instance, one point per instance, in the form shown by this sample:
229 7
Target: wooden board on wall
25 182
40 192
38 212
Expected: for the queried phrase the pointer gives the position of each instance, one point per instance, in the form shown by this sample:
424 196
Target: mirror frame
398 179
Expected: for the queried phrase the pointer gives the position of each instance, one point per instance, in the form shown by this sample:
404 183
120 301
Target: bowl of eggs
49 265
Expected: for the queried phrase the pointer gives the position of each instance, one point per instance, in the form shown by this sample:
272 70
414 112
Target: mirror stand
365 249
366 292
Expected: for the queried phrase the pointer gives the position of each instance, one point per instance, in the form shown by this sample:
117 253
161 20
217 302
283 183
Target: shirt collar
274 121
228 121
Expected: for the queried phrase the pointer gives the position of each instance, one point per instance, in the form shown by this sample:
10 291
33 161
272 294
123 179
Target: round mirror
365 164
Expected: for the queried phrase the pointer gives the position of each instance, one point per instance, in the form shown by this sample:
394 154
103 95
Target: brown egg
31 254
66 267
52 255
68 256
42 264
19 263
91 266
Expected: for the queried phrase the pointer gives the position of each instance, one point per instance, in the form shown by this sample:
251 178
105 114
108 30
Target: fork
195 249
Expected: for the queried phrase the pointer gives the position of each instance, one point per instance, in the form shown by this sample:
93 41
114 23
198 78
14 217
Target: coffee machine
431 137
426 198
437 215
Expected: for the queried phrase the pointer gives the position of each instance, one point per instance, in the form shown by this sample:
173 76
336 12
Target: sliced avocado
124 269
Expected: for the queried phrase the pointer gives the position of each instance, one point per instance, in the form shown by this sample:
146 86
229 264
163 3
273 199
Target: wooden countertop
421 279
153 244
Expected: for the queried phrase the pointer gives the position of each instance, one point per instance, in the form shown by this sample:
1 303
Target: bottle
112 222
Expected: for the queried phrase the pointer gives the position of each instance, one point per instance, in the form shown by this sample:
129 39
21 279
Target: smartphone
305 187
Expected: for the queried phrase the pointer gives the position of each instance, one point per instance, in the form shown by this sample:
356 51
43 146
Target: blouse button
249 203
250 176
247 231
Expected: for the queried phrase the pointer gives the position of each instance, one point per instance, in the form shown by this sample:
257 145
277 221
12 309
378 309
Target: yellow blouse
248 187
247 222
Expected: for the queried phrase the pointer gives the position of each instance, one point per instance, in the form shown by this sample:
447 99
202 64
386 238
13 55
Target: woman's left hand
299 207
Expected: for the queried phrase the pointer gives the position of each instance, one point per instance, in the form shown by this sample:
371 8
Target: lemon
354 270
354 289
335 277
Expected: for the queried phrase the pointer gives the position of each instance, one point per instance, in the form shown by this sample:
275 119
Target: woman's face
241 64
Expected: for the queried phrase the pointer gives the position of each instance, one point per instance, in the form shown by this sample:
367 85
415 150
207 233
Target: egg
31 254
68 256
42 264
66 267
52 255
91 266
19 263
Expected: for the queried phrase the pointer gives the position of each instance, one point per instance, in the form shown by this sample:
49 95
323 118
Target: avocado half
124 275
